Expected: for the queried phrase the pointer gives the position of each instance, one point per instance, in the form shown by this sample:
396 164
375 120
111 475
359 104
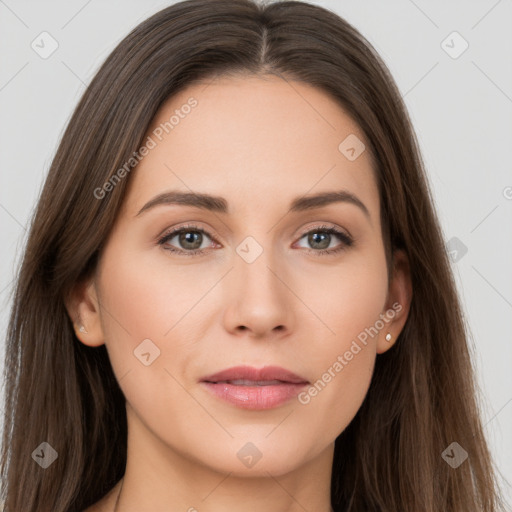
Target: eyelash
346 240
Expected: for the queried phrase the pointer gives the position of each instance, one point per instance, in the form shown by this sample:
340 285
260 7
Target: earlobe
83 309
398 302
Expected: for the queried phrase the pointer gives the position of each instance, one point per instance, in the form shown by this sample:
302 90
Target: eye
320 239
189 237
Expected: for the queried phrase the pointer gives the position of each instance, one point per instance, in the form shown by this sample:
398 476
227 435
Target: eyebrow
220 205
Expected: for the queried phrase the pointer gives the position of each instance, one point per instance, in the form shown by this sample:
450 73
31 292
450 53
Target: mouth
251 388
246 382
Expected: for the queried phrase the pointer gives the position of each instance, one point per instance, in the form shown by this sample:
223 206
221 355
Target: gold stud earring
388 337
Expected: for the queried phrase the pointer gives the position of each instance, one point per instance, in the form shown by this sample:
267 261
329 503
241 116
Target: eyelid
168 234
325 225
346 239
187 225
206 230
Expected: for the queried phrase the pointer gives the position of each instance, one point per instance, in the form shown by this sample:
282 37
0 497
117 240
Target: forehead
253 140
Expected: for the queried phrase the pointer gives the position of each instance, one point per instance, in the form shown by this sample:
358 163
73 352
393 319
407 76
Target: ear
82 306
398 302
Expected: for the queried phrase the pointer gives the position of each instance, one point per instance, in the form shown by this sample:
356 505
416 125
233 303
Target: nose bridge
256 264
258 300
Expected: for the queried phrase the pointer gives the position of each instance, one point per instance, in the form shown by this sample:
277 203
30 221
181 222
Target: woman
235 292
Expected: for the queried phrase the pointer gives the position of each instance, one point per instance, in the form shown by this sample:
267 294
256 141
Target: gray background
461 109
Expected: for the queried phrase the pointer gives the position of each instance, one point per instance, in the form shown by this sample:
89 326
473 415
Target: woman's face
259 291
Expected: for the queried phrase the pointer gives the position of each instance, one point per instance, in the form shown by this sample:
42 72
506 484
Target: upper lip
255 374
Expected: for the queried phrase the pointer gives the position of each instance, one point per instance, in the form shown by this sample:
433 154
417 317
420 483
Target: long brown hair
422 396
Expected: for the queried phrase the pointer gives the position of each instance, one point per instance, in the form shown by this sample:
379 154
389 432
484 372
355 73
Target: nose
259 302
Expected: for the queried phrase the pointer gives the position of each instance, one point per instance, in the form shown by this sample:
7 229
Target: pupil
313 240
185 238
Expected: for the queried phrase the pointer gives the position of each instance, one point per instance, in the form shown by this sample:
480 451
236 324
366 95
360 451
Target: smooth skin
258 142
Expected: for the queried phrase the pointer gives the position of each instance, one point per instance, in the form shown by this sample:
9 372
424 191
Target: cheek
347 298
147 297
144 305
154 313
147 312
342 360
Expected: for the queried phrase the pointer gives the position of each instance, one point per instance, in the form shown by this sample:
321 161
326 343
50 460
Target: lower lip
255 397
